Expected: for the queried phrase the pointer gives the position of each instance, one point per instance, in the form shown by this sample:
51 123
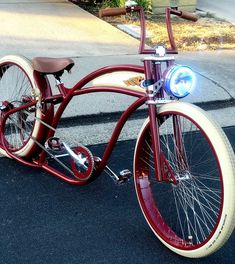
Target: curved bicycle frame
65 95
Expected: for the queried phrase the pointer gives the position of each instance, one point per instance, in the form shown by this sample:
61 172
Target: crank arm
124 175
72 154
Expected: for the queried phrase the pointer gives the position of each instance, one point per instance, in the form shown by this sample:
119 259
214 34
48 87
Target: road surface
44 220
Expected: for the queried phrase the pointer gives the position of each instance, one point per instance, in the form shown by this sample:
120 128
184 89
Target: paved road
44 220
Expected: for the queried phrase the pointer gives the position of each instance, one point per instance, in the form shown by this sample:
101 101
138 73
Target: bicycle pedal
54 144
124 176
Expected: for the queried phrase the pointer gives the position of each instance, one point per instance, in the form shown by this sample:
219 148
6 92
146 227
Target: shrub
121 3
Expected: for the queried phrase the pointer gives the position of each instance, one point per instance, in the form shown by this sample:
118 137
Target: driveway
224 9
58 28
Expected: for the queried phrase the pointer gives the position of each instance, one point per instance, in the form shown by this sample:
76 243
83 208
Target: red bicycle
184 166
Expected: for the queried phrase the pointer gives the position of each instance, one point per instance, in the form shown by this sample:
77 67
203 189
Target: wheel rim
184 215
15 87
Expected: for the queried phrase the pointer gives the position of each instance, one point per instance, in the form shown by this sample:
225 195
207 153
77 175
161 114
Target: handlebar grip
189 16
115 11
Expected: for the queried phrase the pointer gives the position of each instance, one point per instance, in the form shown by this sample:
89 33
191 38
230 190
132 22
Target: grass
207 33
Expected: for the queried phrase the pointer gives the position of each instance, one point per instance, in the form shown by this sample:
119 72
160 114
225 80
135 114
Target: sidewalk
223 9
58 28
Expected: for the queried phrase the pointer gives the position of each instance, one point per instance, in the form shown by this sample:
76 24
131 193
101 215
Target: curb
104 118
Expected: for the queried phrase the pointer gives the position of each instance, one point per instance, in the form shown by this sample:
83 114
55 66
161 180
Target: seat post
60 85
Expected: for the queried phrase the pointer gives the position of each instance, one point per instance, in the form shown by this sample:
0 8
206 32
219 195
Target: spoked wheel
17 87
192 209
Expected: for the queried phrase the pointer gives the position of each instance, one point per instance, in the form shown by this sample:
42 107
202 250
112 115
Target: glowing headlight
179 81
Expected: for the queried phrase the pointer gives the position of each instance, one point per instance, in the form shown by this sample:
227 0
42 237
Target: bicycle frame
183 164
68 94
64 97
152 72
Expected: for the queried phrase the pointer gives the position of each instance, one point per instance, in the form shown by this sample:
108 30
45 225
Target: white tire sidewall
25 64
225 156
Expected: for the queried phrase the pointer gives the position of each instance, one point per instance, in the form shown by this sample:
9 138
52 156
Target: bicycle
184 168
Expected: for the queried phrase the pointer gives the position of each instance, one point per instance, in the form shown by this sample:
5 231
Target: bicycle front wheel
17 87
192 209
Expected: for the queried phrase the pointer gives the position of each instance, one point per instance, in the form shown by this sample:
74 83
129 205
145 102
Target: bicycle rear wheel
17 87
192 210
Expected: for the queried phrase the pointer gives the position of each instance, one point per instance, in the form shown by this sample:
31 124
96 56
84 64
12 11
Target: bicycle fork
163 170
152 72
155 95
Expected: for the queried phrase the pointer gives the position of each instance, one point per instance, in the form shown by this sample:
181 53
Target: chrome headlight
179 81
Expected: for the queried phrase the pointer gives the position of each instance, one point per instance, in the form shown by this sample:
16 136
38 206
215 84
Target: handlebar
116 11
185 15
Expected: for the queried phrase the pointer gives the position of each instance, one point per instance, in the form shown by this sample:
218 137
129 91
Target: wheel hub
182 176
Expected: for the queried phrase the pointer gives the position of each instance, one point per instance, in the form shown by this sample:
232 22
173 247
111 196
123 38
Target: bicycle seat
52 65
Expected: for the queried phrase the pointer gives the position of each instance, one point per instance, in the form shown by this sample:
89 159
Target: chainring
83 166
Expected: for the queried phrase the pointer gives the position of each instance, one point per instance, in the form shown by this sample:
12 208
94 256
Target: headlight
179 81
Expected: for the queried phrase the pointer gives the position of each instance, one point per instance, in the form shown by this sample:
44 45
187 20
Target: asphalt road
44 220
